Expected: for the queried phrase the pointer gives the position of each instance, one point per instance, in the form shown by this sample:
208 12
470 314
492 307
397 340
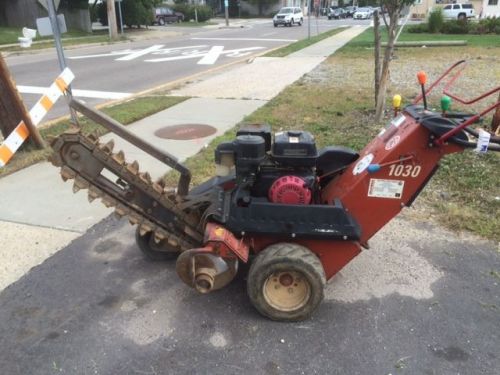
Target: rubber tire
282 257
275 25
161 22
151 250
301 21
462 17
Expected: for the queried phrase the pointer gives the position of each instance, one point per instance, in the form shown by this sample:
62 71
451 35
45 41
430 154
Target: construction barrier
12 143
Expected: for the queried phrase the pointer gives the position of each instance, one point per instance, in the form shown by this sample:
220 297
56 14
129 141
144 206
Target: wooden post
495 121
12 109
113 31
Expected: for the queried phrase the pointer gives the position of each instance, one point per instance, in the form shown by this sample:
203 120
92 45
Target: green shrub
455 27
418 29
204 13
135 12
436 20
185 9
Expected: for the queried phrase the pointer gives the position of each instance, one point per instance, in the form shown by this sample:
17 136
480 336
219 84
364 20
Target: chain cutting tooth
134 218
160 235
119 157
93 137
133 167
80 183
67 173
94 193
146 227
121 211
145 177
173 241
108 147
108 201
157 187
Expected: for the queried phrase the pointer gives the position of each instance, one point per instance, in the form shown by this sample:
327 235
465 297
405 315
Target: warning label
386 188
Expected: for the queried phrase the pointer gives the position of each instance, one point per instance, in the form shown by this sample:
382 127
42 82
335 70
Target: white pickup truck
459 11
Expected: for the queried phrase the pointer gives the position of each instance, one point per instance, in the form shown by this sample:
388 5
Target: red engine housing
290 190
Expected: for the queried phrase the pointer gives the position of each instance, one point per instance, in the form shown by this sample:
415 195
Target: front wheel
286 282
275 25
461 17
292 22
156 252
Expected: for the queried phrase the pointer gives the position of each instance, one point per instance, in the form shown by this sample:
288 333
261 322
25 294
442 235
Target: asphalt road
121 69
419 302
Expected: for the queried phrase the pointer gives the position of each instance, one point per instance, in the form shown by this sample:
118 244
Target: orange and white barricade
12 143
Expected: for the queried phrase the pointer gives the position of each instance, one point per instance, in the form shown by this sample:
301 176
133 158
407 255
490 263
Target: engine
280 170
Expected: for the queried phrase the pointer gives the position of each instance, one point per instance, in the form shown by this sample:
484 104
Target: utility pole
60 52
226 11
309 19
113 31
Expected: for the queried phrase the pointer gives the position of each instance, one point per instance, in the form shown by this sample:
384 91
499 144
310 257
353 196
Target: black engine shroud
245 205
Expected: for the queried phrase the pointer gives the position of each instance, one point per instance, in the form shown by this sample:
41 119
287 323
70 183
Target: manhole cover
185 131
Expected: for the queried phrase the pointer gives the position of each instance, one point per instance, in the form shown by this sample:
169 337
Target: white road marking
249 39
140 53
211 56
79 93
239 52
127 52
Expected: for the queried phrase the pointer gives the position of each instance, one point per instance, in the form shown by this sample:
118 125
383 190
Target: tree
135 12
261 4
394 8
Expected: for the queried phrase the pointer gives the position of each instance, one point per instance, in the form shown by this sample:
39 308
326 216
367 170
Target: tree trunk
113 31
376 31
495 121
12 109
384 76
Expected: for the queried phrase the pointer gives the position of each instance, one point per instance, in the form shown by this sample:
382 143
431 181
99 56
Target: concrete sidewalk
41 210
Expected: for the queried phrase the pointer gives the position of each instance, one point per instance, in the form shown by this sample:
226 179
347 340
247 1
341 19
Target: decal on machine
398 120
386 188
362 164
392 142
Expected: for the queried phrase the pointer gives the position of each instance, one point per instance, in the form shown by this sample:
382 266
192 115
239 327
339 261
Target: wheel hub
287 291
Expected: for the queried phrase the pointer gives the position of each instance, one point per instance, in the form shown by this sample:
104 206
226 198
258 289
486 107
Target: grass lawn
9 35
365 40
285 51
126 113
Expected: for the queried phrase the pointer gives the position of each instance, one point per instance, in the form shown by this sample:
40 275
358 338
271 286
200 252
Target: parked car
350 10
459 11
363 13
165 15
336 13
288 17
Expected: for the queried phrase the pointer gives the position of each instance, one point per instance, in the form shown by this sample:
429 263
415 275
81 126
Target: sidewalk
39 214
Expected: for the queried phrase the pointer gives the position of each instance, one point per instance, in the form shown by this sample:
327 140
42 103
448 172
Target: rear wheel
461 16
292 22
156 252
301 21
286 282
161 21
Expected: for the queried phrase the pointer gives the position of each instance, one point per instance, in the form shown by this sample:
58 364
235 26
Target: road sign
45 5
44 26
